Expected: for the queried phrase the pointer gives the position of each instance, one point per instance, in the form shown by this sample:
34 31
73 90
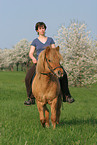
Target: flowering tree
21 50
6 58
79 53
17 55
1 58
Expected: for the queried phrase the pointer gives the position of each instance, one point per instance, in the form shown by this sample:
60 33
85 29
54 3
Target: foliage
21 51
17 55
20 124
79 53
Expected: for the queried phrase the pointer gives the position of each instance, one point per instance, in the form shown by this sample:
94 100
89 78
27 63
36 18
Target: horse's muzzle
59 72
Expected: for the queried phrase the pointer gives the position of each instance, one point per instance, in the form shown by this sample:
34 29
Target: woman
39 44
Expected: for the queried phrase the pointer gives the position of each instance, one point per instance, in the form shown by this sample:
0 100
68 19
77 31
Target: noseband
51 69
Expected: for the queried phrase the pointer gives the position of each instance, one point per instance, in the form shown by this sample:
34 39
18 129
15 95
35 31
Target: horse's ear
57 48
60 56
41 62
47 49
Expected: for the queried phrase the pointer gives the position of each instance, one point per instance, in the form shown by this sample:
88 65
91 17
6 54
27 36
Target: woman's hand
34 60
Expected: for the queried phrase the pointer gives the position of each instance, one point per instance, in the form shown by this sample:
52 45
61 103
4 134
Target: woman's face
41 30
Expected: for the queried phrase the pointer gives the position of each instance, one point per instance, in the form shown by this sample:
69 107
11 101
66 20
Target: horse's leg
41 113
46 116
58 108
53 112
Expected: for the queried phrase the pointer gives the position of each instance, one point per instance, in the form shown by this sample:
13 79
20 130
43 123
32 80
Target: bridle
50 68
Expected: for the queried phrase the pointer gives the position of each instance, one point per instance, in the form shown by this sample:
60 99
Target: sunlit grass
20 124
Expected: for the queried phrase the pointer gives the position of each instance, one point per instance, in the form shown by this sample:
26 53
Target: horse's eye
49 60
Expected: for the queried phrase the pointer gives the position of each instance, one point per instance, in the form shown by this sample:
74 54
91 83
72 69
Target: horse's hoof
47 125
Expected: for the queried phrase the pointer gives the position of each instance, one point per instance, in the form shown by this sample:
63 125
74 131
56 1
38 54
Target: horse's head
49 62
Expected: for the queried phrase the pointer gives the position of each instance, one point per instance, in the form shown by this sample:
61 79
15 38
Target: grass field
20 124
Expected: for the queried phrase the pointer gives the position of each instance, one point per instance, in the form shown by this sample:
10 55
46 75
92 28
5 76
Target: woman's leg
28 81
65 89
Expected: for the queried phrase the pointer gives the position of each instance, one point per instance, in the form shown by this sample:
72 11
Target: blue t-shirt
39 46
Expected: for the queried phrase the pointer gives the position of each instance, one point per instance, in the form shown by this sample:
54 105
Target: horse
46 85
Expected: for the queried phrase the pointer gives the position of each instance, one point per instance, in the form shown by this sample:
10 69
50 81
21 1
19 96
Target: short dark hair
39 24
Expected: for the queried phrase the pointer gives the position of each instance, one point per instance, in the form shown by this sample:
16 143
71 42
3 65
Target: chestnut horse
46 85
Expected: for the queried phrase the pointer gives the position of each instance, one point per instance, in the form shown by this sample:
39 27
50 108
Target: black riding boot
31 99
65 90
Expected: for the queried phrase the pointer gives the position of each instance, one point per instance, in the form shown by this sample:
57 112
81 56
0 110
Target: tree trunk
17 66
22 66
11 68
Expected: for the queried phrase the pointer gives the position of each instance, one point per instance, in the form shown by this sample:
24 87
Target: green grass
20 124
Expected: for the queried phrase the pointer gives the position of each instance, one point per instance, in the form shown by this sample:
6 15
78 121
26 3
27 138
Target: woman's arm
32 49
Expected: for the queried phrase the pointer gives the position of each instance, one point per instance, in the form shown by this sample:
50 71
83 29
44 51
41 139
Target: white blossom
17 55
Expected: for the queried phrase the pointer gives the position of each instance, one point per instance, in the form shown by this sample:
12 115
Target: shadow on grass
89 121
